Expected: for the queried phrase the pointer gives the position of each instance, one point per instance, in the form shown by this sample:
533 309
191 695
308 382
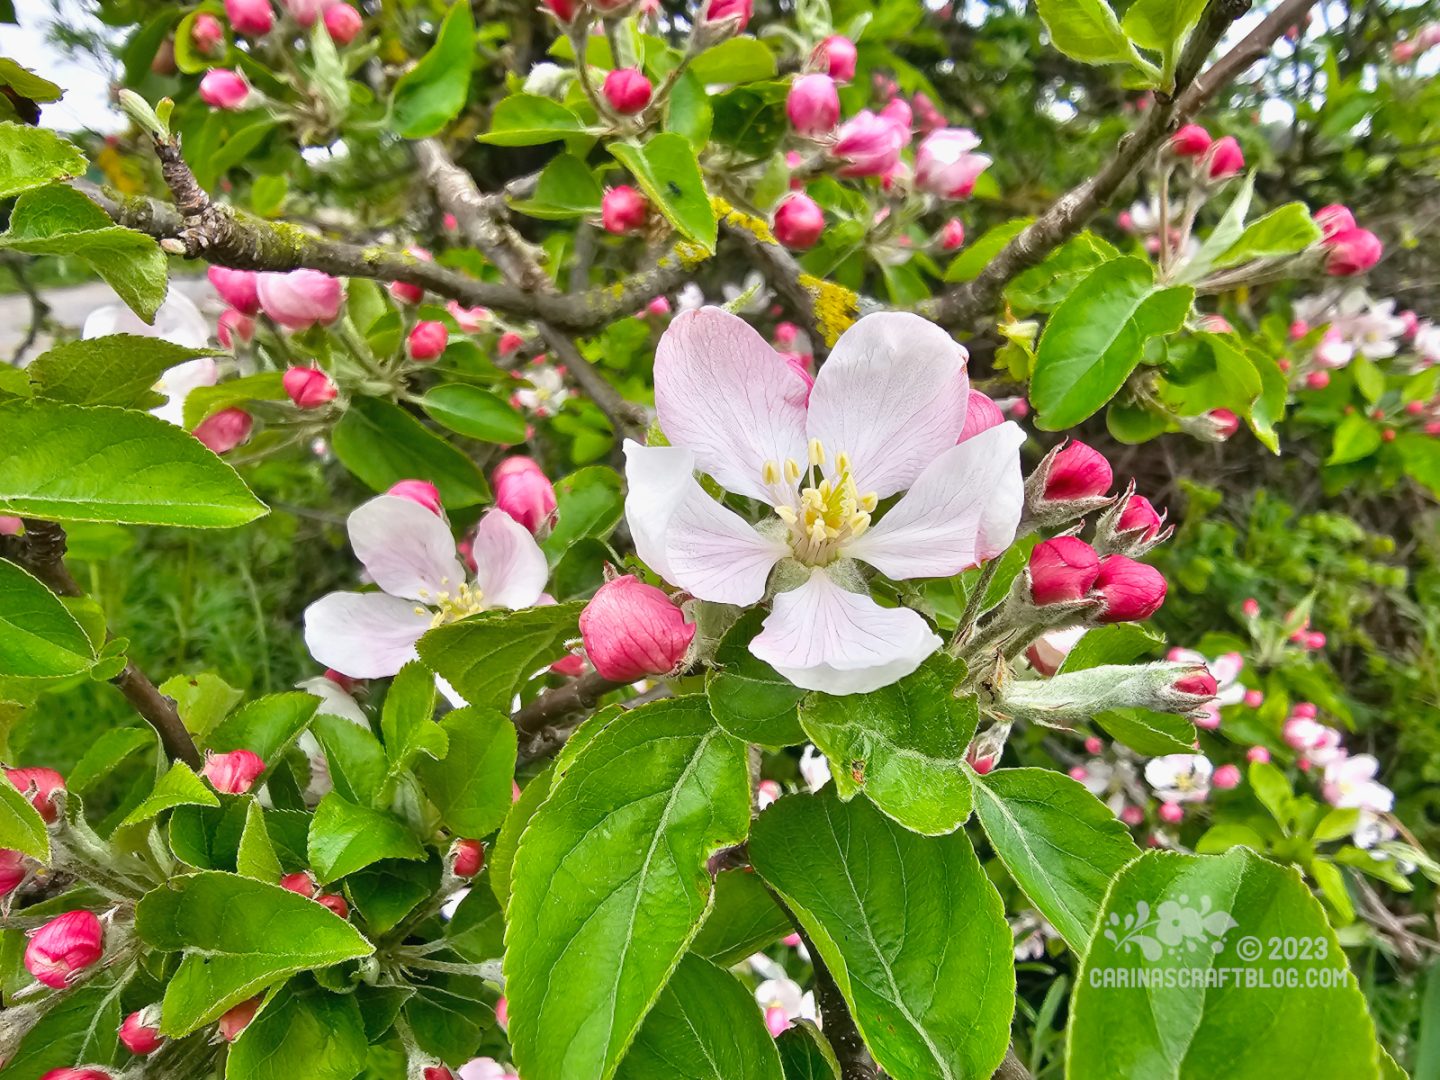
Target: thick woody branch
1072 211
545 723
41 550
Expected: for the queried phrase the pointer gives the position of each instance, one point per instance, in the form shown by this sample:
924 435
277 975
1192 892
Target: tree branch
1070 213
546 722
41 550
785 275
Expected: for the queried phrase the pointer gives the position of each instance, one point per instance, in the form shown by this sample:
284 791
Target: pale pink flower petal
716 554
510 568
657 479
364 635
407 550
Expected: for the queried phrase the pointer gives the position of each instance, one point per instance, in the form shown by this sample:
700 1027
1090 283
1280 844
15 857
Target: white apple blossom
883 419
546 393
1350 782
784 1001
814 767
1179 778
485 1068
179 322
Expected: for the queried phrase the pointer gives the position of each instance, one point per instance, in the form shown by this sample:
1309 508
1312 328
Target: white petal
822 637
407 549
510 568
963 510
177 383
657 479
724 393
178 321
716 554
364 635
334 701
892 396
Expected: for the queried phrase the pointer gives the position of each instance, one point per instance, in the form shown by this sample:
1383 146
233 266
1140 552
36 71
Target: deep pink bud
1317 380
418 491
1226 777
627 90
837 55
1251 608
10 525
799 221
524 492
1305 710
238 288
1139 514
1078 472
234 327
1131 591
238 1018
952 236
251 17
502 1011
813 105
897 110
1078 773
206 34
632 630
1061 570
404 291
224 89
343 23
1334 219
64 947
981 414
1093 746
300 882
1315 640
658 308
1171 813
427 341
300 298
1254 698
437 1072
945 166
1132 815
1199 683
467 857
982 763
509 343
720 10
68 1073
1352 251
335 902
12 871
1192 140
623 209
39 786
309 388
141 1031
233 772
868 144
305 12
563 10
1226 158
1257 753
1226 422
225 430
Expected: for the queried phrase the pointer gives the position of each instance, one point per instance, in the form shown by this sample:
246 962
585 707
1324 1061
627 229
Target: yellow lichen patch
690 255
757 227
835 306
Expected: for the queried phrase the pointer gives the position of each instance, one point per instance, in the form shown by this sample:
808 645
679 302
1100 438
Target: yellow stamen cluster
831 510
464 601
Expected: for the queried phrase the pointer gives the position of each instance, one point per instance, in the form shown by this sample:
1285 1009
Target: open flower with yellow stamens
410 554
884 418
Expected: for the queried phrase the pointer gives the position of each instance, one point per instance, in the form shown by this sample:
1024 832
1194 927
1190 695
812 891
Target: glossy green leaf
1119 643
471 784
256 856
39 638
978 254
21 826
588 503
31 157
744 920
500 859
1355 438
1148 732
1284 231
805 1053
74 463
178 787
434 91
1162 25
738 60
902 745
748 697
1085 30
265 726
408 720
119 369
668 171
202 700
911 928
205 401
488 656
688 111
382 444
345 837
566 189
610 885
82 1025
305 1032
530 120
357 762
473 412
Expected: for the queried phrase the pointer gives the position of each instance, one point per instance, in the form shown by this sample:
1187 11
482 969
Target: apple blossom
305 12
467 857
140 1032
301 298
1131 591
343 23
308 387
13 871
1352 251
238 288
224 89
300 882
868 145
405 292
1257 753
410 554
234 772
623 209
524 492
437 1072
1192 140
427 341
837 56
981 414
1226 423
485 1068
783 1001
1141 517
509 343
1049 650
223 431
897 110
11 525
546 393
62 948
1334 219
627 90
1180 778
1350 783
207 34
563 10
1226 777
67 1073
1078 471
813 105
799 221
717 11
1224 687
39 786
1226 158
469 319
952 235
1062 570
231 328
254 18
945 166
632 630
814 768
335 902
884 418
1172 813
421 492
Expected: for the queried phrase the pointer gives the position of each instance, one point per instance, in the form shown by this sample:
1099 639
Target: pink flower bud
343 23
1192 140
1078 773
39 786
238 1018
232 327
300 882
68 1073
1226 422
869 145
1062 570
1093 746
224 89
12 871
1132 815
254 18
898 112
300 298
981 414
207 34
720 10
427 341
437 1072
238 288
335 902
1226 777
225 430
952 236
1257 753
309 388
1140 515
945 166
1226 158
813 105
1352 251
524 492
563 10
799 221
64 947
141 1031
1078 472
1305 710
1403 52
1334 219
1171 813
11 525
467 857
632 630
981 762
627 90
502 1012
1315 640
658 308
623 210
1298 329
1251 608
1254 699
1317 380
1131 591
776 1021
1200 683
234 772
418 491
403 291
837 56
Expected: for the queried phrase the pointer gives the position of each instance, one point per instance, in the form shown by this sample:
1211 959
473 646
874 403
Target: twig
785 275
39 309
544 717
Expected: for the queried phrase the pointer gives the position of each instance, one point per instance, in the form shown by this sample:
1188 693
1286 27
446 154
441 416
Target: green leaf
39 638
1097 336
1317 1026
266 726
500 859
566 189
205 401
1217 375
256 856
738 60
967 265
473 412
751 118
902 745
1284 231
382 444
743 920
345 837
120 369
239 936
188 59
178 787
78 1026
1119 643
704 1026
32 157
610 884
1085 30
1224 235
357 761
432 93
1061 844
1162 25
588 503
105 754
408 720
488 656
914 933
309 1033
530 120
668 171
688 111
202 700
387 892
74 463
470 785
748 697
1356 438
1148 732
60 221
21 826
805 1053
1272 789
